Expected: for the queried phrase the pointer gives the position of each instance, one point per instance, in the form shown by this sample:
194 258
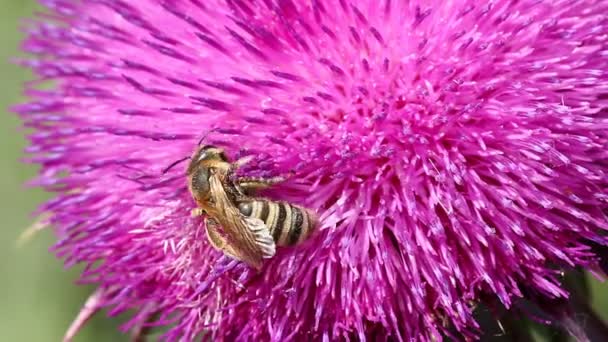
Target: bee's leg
256 183
196 212
242 161
213 235
217 240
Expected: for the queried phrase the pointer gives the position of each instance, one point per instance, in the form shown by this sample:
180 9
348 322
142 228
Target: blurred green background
39 298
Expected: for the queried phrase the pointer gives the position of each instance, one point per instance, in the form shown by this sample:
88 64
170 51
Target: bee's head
199 170
206 153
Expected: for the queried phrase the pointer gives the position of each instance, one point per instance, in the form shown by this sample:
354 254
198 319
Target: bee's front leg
258 183
242 161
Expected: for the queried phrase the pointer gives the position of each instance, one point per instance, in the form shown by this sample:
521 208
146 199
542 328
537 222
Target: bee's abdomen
289 224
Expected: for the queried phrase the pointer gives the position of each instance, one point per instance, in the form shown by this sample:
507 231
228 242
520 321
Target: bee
253 226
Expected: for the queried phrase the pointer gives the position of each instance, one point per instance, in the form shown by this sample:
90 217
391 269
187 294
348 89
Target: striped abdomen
289 224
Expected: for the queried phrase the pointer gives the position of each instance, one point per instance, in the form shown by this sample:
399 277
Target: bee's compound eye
245 208
200 180
202 156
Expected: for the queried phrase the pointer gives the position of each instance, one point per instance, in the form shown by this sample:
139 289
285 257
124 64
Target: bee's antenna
182 159
206 135
173 164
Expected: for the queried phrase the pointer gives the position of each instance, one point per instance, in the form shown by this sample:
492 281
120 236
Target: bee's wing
250 238
220 243
262 234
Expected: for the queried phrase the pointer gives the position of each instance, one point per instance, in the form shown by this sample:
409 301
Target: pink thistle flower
453 150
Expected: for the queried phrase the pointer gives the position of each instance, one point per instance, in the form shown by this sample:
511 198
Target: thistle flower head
453 151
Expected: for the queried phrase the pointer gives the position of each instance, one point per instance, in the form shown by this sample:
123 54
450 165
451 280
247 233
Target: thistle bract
452 150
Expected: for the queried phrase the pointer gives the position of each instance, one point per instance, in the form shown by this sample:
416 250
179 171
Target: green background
39 298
